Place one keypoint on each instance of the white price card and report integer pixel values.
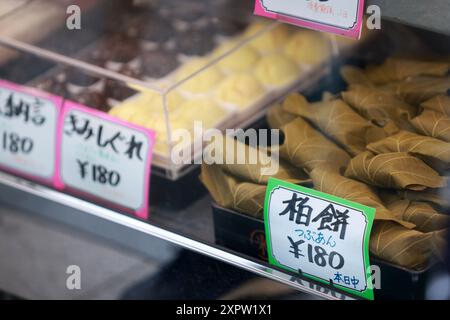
(336, 16)
(28, 131)
(106, 158)
(320, 236)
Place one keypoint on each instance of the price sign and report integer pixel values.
(343, 17)
(321, 236)
(106, 158)
(28, 126)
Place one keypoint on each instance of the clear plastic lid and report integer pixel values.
(164, 65)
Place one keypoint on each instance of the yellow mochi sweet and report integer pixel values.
(204, 110)
(146, 110)
(276, 70)
(142, 109)
(240, 90)
(240, 60)
(272, 40)
(123, 112)
(308, 47)
(148, 99)
(257, 27)
(173, 101)
(202, 82)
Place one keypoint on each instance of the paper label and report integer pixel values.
(320, 236)
(28, 127)
(106, 158)
(343, 17)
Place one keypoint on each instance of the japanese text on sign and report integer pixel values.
(28, 125)
(318, 235)
(337, 16)
(105, 159)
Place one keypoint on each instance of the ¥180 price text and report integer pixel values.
(15, 144)
(98, 173)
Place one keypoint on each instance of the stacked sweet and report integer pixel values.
(238, 75)
(383, 143)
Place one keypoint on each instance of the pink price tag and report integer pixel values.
(28, 132)
(342, 17)
(105, 159)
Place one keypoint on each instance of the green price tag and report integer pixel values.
(321, 236)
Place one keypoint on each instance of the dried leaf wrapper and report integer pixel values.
(434, 152)
(399, 69)
(397, 170)
(411, 249)
(338, 121)
(277, 117)
(437, 197)
(232, 193)
(422, 214)
(256, 165)
(380, 106)
(328, 180)
(307, 148)
(439, 104)
(417, 90)
(355, 76)
(433, 124)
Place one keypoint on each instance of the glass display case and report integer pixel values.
(173, 70)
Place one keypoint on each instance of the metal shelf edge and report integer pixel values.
(146, 228)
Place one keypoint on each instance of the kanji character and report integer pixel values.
(333, 220)
(297, 209)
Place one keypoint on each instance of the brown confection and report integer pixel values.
(186, 10)
(81, 79)
(53, 87)
(195, 42)
(94, 100)
(227, 26)
(118, 91)
(130, 72)
(156, 29)
(157, 64)
(116, 48)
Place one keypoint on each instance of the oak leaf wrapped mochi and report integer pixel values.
(399, 69)
(433, 124)
(411, 249)
(338, 121)
(436, 197)
(397, 170)
(355, 76)
(327, 179)
(307, 148)
(229, 192)
(422, 214)
(439, 104)
(255, 164)
(380, 107)
(434, 152)
(277, 117)
(420, 89)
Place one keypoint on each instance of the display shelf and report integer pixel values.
(190, 228)
(430, 15)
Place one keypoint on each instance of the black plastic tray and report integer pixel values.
(246, 235)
